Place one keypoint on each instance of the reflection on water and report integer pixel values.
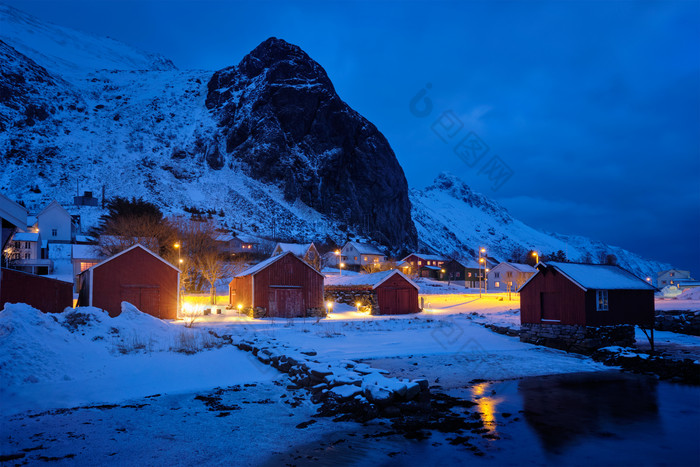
(486, 404)
(562, 409)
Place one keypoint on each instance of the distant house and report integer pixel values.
(136, 275)
(237, 244)
(305, 251)
(579, 301)
(672, 277)
(83, 257)
(383, 293)
(86, 200)
(55, 224)
(361, 254)
(463, 271)
(13, 216)
(424, 264)
(25, 254)
(281, 286)
(508, 277)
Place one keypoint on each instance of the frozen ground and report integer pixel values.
(87, 388)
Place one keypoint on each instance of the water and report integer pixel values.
(602, 418)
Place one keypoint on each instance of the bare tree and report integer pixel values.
(213, 267)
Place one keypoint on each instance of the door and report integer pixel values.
(550, 306)
(286, 302)
(145, 298)
(396, 301)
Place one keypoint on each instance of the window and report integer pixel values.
(54, 232)
(355, 258)
(601, 299)
(86, 265)
(419, 263)
(498, 284)
(27, 245)
(497, 275)
(469, 274)
(671, 274)
(509, 274)
(364, 259)
(26, 256)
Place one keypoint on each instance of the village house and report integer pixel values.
(425, 265)
(584, 306)
(380, 293)
(281, 286)
(55, 224)
(83, 257)
(136, 275)
(358, 254)
(462, 271)
(508, 277)
(237, 244)
(672, 277)
(305, 251)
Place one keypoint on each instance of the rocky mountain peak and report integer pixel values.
(280, 117)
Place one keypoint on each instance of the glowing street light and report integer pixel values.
(482, 262)
(486, 282)
(357, 305)
(240, 307)
(337, 253)
(329, 307)
(537, 257)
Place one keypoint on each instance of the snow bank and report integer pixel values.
(40, 347)
(690, 294)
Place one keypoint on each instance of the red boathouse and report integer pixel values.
(384, 293)
(136, 275)
(282, 286)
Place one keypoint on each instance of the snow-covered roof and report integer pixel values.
(224, 238)
(247, 238)
(26, 237)
(597, 276)
(256, 268)
(12, 212)
(432, 268)
(85, 252)
(31, 221)
(426, 257)
(298, 249)
(365, 248)
(369, 280)
(53, 204)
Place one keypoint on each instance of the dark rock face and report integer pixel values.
(281, 117)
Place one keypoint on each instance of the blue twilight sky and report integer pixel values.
(595, 106)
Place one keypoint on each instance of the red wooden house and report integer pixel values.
(386, 292)
(586, 294)
(136, 275)
(283, 286)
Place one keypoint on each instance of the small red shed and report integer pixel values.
(284, 286)
(387, 292)
(136, 275)
(586, 295)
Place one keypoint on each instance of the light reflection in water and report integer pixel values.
(486, 405)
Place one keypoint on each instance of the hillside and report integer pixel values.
(266, 146)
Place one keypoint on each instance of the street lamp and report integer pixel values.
(357, 305)
(329, 307)
(537, 257)
(179, 279)
(337, 253)
(486, 282)
(240, 307)
(482, 262)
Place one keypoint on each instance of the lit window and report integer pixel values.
(419, 263)
(86, 265)
(498, 284)
(469, 274)
(365, 258)
(457, 274)
(601, 298)
(671, 274)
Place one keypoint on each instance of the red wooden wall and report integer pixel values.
(397, 296)
(563, 300)
(293, 286)
(568, 303)
(136, 276)
(44, 294)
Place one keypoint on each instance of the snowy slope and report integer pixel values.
(450, 217)
(69, 53)
(139, 127)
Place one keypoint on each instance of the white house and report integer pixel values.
(672, 277)
(508, 277)
(305, 251)
(24, 253)
(55, 224)
(360, 254)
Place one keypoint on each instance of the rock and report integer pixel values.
(291, 128)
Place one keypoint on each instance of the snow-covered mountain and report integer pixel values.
(451, 218)
(267, 147)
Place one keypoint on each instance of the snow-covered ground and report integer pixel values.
(688, 300)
